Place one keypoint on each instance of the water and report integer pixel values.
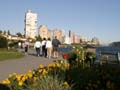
(65, 49)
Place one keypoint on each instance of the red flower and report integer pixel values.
(65, 56)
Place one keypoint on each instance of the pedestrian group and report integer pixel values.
(45, 48)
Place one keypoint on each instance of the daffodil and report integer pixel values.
(18, 77)
(44, 71)
(57, 65)
(34, 79)
(23, 79)
(20, 83)
(40, 70)
(40, 66)
(6, 81)
(29, 75)
(66, 84)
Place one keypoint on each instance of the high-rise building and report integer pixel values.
(43, 31)
(76, 39)
(69, 33)
(63, 36)
(71, 36)
(50, 34)
(30, 24)
(60, 35)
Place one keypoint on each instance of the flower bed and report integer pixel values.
(43, 78)
(65, 78)
(65, 75)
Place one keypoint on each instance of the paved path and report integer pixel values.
(29, 62)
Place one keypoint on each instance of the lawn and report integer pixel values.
(9, 54)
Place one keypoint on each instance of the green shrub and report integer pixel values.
(3, 42)
(95, 78)
(72, 57)
(13, 44)
(90, 57)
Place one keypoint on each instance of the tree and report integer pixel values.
(39, 38)
(4, 33)
(8, 32)
(3, 42)
(115, 43)
(19, 34)
(0, 31)
(95, 40)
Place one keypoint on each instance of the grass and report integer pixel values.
(9, 54)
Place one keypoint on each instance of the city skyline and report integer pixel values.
(90, 18)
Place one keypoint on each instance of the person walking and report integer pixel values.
(49, 48)
(44, 50)
(26, 46)
(55, 43)
(37, 46)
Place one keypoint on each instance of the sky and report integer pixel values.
(89, 18)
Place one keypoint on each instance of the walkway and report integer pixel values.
(29, 62)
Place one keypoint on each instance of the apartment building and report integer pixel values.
(30, 24)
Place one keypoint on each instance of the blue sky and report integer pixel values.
(90, 18)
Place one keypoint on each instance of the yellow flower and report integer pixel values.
(61, 61)
(67, 65)
(23, 78)
(40, 70)
(44, 71)
(29, 75)
(10, 75)
(29, 71)
(18, 77)
(49, 66)
(34, 79)
(6, 81)
(53, 65)
(33, 72)
(20, 83)
(57, 65)
(77, 50)
(40, 66)
(66, 84)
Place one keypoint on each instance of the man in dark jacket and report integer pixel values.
(55, 43)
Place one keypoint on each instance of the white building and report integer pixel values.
(67, 40)
(43, 31)
(60, 35)
(30, 24)
(83, 39)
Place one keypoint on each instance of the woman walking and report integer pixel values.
(26, 46)
(49, 48)
(37, 46)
